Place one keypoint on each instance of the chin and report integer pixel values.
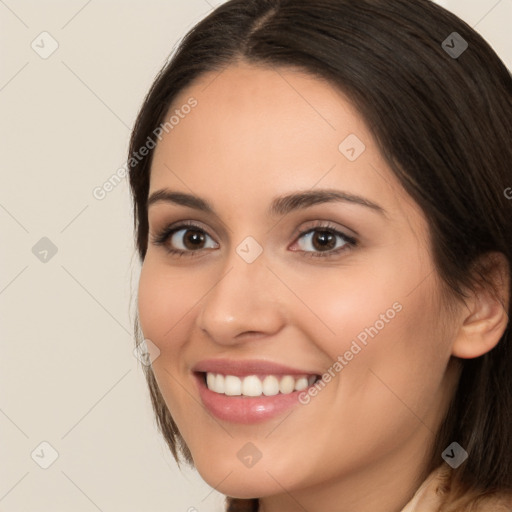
(244, 484)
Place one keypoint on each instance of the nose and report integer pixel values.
(243, 300)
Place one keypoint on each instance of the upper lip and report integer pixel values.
(247, 367)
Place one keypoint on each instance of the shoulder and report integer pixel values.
(434, 495)
(432, 492)
(498, 502)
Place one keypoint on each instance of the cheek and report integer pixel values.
(346, 304)
(398, 373)
(166, 298)
(381, 321)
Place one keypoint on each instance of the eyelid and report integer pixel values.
(305, 227)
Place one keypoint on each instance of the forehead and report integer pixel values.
(256, 132)
(244, 108)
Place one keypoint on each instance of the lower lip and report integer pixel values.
(245, 409)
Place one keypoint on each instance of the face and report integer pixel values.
(336, 285)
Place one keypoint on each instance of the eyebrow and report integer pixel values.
(281, 205)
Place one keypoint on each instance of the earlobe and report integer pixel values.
(484, 318)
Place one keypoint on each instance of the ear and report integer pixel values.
(484, 317)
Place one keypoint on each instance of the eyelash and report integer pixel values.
(161, 237)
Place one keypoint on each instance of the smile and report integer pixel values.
(250, 391)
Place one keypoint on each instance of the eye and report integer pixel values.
(324, 241)
(189, 239)
(183, 239)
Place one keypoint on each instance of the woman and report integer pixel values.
(321, 213)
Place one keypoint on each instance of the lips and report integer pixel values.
(250, 391)
(242, 368)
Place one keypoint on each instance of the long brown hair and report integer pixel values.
(444, 125)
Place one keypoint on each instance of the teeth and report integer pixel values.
(270, 385)
(251, 386)
(287, 384)
(303, 383)
(231, 385)
(210, 381)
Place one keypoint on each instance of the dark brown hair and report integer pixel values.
(444, 125)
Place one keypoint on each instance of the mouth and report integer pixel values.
(256, 385)
(254, 394)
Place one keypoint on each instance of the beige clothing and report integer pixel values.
(430, 495)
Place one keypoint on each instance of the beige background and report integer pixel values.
(68, 376)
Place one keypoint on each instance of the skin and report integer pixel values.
(361, 443)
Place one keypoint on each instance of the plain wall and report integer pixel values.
(67, 372)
